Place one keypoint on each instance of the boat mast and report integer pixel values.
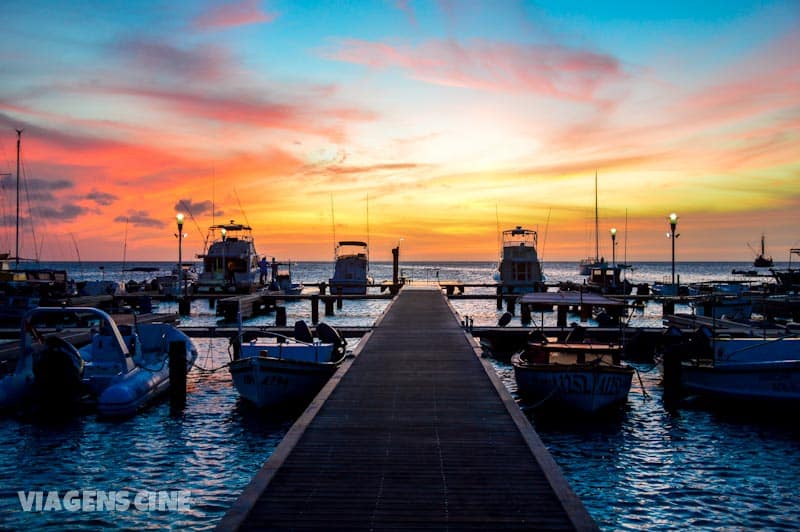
(596, 223)
(16, 254)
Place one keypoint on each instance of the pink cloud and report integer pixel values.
(234, 14)
(299, 116)
(551, 70)
(158, 59)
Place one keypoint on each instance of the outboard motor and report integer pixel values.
(57, 372)
(329, 335)
(302, 332)
(505, 319)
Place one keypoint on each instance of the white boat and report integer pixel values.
(281, 370)
(282, 279)
(231, 263)
(118, 369)
(519, 270)
(736, 367)
(351, 270)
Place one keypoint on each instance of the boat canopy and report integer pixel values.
(569, 299)
(353, 243)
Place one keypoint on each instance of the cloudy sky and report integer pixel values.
(434, 122)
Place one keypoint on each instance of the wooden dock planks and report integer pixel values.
(416, 433)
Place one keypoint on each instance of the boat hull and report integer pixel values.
(585, 388)
(772, 381)
(268, 381)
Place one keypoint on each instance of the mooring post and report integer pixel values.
(184, 306)
(667, 307)
(329, 306)
(177, 376)
(314, 309)
(586, 312)
(322, 288)
(561, 319)
(510, 304)
(339, 298)
(499, 298)
(525, 311)
(280, 316)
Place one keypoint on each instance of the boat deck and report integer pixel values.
(417, 432)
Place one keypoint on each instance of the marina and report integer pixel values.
(639, 453)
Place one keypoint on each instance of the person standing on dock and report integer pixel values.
(263, 268)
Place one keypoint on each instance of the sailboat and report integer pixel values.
(23, 287)
(586, 265)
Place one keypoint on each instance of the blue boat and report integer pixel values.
(119, 369)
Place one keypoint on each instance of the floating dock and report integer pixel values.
(415, 432)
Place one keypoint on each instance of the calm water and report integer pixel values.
(645, 467)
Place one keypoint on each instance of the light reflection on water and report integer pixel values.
(643, 467)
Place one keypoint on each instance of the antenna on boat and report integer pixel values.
(499, 240)
(16, 250)
(596, 222)
(77, 251)
(368, 246)
(544, 244)
(213, 190)
(244, 214)
(125, 244)
(333, 226)
(625, 245)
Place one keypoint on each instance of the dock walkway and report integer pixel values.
(416, 433)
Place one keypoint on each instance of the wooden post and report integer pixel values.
(177, 376)
(586, 312)
(667, 307)
(525, 311)
(510, 300)
(561, 315)
(280, 316)
(322, 288)
(329, 306)
(499, 298)
(314, 309)
(338, 299)
(184, 306)
(395, 265)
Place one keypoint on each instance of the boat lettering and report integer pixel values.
(275, 379)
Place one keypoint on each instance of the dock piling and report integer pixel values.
(314, 309)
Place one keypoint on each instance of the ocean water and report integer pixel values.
(649, 465)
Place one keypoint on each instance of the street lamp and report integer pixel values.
(673, 222)
(180, 235)
(613, 247)
(224, 233)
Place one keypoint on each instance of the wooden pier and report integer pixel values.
(417, 432)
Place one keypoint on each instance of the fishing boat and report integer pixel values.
(116, 368)
(578, 376)
(606, 278)
(351, 269)
(519, 270)
(728, 366)
(761, 260)
(231, 263)
(578, 373)
(282, 370)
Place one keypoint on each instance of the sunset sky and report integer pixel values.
(431, 122)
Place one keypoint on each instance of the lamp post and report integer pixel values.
(673, 223)
(179, 219)
(224, 233)
(613, 247)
